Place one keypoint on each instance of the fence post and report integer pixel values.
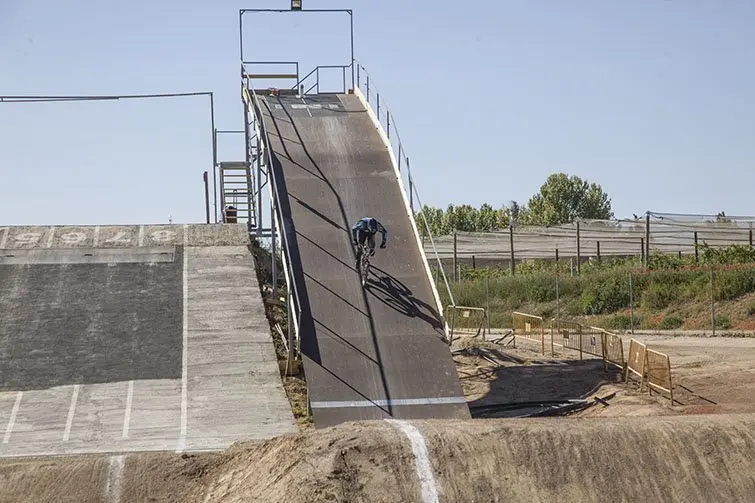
(474, 266)
(487, 299)
(511, 244)
(579, 331)
(558, 307)
(454, 258)
(579, 255)
(647, 239)
(598, 251)
(631, 307)
(750, 237)
(642, 250)
(712, 301)
(696, 253)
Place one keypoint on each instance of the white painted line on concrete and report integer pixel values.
(387, 403)
(141, 236)
(12, 419)
(114, 476)
(127, 414)
(6, 233)
(427, 489)
(96, 240)
(50, 238)
(185, 352)
(71, 410)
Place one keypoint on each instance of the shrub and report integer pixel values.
(659, 295)
(734, 283)
(622, 322)
(670, 323)
(722, 322)
(751, 310)
(607, 293)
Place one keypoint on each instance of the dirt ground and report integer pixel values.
(703, 446)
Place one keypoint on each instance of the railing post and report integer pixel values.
(399, 157)
(273, 265)
(368, 88)
(358, 77)
(378, 107)
(388, 121)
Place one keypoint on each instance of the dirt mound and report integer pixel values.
(679, 458)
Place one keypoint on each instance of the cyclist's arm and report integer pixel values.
(354, 232)
(384, 232)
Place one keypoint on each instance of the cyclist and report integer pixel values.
(365, 229)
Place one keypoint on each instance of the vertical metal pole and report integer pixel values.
(631, 305)
(399, 159)
(579, 254)
(474, 266)
(598, 251)
(750, 237)
(250, 166)
(273, 265)
(696, 252)
(558, 303)
(368, 90)
(487, 299)
(642, 250)
(712, 301)
(214, 155)
(241, 35)
(259, 189)
(206, 195)
(511, 245)
(378, 107)
(454, 258)
(388, 122)
(359, 80)
(411, 196)
(291, 352)
(647, 239)
(351, 24)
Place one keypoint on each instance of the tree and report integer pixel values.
(563, 199)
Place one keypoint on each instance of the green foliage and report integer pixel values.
(751, 310)
(622, 322)
(728, 255)
(607, 293)
(722, 322)
(464, 218)
(563, 199)
(671, 323)
(733, 283)
(659, 295)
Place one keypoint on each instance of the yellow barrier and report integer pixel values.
(636, 361)
(528, 326)
(659, 373)
(613, 350)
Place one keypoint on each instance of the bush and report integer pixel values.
(659, 295)
(607, 293)
(622, 322)
(722, 322)
(670, 323)
(751, 310)
(734, 283)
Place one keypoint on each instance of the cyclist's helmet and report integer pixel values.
(372, 225)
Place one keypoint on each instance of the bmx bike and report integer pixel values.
(364, 262)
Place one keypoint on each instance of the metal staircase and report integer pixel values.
(237, 195)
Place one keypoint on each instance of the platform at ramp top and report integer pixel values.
(133, 338)
(373, 352)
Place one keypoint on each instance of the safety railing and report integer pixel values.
(251, 100)
(311, 81)
(371, 94)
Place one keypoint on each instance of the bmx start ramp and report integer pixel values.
(374, 352)
(133, 338)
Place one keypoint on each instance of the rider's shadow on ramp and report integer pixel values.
(396, 295)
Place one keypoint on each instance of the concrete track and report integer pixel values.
(368, 353)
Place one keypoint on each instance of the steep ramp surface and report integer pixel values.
(373, 352)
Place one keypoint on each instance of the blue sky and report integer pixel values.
(653, 99)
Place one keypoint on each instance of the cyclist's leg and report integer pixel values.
(360, 241)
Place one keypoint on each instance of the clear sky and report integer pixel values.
(653, 99)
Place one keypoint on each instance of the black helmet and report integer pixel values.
(372, 225)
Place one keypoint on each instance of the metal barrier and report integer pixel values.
(528, 326)
(636, 361)
(466, 312)
(659, 373)
(613, 350)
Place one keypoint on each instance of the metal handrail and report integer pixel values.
(264, 140)
(370, 91)
(316, 72)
